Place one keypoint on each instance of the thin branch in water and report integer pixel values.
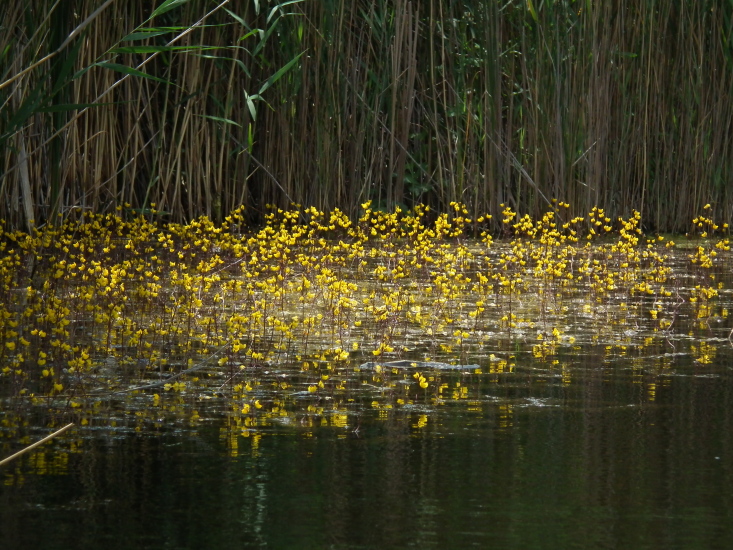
(36, 444)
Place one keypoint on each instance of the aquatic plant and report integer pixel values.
(304, 318)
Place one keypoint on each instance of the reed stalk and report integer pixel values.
(330, 103)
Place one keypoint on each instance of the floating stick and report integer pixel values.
(36, 444)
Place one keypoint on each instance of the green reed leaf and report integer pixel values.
(220, 119)
(124, 69)
(167, 6)
(279, 74)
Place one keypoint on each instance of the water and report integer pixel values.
(529, 463)
(569, 398)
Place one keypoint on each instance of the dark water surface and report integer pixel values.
(536, 463)
(588, 421)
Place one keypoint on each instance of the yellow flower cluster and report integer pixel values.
(98, 303)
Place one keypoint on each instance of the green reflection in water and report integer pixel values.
(595, 411)
(542, 464)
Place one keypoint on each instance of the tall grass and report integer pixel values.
(622, 105)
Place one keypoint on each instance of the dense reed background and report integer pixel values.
(625, 105)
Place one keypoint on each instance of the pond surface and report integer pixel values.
(288, 390)
(530, 462)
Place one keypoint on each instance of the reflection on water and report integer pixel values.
(521, 395)
(606, 460)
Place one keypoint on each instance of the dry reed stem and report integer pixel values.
(34, 445)
(621, 106)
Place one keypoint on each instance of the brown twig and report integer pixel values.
(36, 444)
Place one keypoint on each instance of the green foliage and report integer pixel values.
(204, 106)
(60, 80)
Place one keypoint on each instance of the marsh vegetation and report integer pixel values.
(314, 317)
(449, 268)
(200, 107)
(382, 357)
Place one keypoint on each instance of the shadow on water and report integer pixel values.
(362, 395)
(537, 463)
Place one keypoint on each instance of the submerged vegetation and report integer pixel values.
(314, 318)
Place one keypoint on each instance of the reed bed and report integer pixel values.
(315, 311)
(331, 103)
